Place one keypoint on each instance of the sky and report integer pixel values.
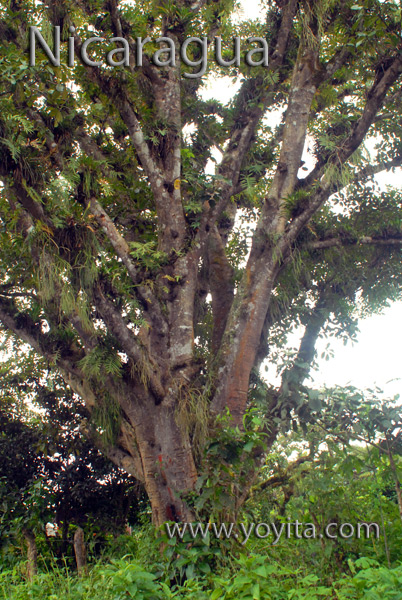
(376, 359)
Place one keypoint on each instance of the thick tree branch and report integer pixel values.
(127, 340)
(346, 243)
(370, 170)
(221, 286)
(283, 478)
(243, 132)
(298, 372)
(164, 179)
(118, 242)
(65, 359)
(117, 454)
(376, 98)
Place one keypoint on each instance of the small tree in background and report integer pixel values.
(49, 472)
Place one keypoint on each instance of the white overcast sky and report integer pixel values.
(376, 358)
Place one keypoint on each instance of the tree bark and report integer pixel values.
(80, 551)
(32, 553)
(169, 471)
(396, 479)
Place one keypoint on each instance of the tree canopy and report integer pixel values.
(158, 290)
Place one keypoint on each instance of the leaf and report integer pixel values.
(248, 447)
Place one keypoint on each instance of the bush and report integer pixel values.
(247, 577)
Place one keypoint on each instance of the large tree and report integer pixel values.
(156, 289)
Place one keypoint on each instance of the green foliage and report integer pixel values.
(107, 417)
(227, 464)
(102, 359)
(49, 472)
(128, 580)
(258, 577)
(372, 580)
(147, 254)
(251, 578)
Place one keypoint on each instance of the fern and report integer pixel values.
(107, 418)
(102, 360)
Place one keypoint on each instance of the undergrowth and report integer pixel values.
(148, 574)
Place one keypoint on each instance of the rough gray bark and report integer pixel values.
(32, 553)
(80, 551)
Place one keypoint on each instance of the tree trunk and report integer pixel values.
(154, 446)
(169, 472)
(396, 479)
(32, 553)
(80, 551)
